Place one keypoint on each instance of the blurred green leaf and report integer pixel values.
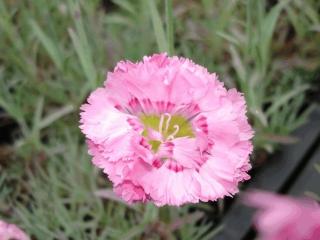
(48, 44)
(158, 27)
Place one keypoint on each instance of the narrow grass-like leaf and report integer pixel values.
(118, 19)
(84, 57)
(158, 27)
(133, 232)
(151, 213)
(126, 5)
(285, 98)
(38, 112)
(228, 37)
(238, 64)
(48, 43)
(267, 28)
(213, 233)
(48, 120)
(169, 26)
(110, 195)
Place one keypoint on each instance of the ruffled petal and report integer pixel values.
(166, 186)
(101, 121)
(183, 150)
(130, 192)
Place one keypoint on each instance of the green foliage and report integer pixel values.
(53, 53)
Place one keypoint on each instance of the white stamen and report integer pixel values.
(161, 124)
(171, 136)
(168, 121)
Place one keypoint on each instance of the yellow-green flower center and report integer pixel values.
(167, 126)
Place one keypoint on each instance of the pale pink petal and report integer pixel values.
(281, 217)
(130, 192)
(183, 150)
(101, 121)
(166, 186)
(11, 231)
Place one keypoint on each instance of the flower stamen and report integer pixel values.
(171, 136)
(168, 122)
(161, 123)
(163, 127)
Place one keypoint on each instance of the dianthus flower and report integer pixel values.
(11, 231)
(280, 217)
(167, 131)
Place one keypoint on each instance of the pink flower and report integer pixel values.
(11, 231)
(166, 130)
(281, 217)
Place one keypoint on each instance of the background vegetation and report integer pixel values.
(53, 53)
